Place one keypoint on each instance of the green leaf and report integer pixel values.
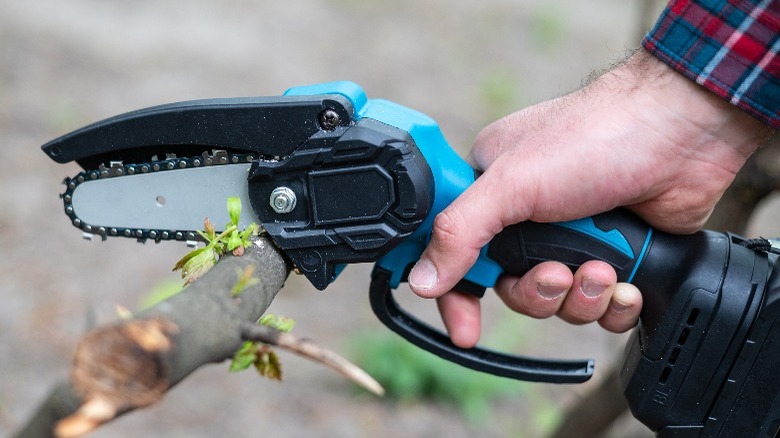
(268, 364)
(244, 357)
(278, 322)
(246, 236)
(208, 237)
(187, 257)
(234, 241)
(244, 280)
(234, 209)
(196, 263)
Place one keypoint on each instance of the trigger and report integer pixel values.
(471, 288)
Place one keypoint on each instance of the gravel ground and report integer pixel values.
(65, 64)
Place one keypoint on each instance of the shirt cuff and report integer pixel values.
(729, 47)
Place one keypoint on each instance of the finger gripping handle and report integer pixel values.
(516, 367)
(617, 237)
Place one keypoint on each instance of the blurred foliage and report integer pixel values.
(161, 292)
(410, 374)
(548, 26)
(546, 414)
(500, 92)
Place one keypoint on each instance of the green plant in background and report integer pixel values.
(161, 292)
(411, 374)
(501, 93)
(548, 26)
(546, 414)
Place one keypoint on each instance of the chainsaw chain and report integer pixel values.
(118, 169)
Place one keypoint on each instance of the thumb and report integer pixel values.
(458, 234)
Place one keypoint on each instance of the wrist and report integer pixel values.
(679, 104)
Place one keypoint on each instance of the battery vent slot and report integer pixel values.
(682, 338)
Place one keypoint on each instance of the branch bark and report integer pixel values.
(133, 363)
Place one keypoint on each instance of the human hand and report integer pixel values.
(640, 136)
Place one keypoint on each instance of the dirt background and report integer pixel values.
(66, 64)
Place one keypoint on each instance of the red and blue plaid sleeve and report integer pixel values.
(728, 46)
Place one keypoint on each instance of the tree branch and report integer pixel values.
(311, 350)
(132, 364)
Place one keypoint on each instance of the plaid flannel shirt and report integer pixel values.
(728, 46)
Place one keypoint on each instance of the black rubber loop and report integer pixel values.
(515, 367)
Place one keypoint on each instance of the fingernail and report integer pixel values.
(550, 291)
(423, 275)
(591, 288)
(618, 307)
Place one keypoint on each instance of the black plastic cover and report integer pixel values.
(360, 189)
(682, 372)
(266, 126)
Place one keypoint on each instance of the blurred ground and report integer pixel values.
(65, 64)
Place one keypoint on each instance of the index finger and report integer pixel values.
(459, 232)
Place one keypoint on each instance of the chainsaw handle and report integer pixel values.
(617, 237)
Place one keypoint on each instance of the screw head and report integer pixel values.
(283, 200)
(329, 119)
